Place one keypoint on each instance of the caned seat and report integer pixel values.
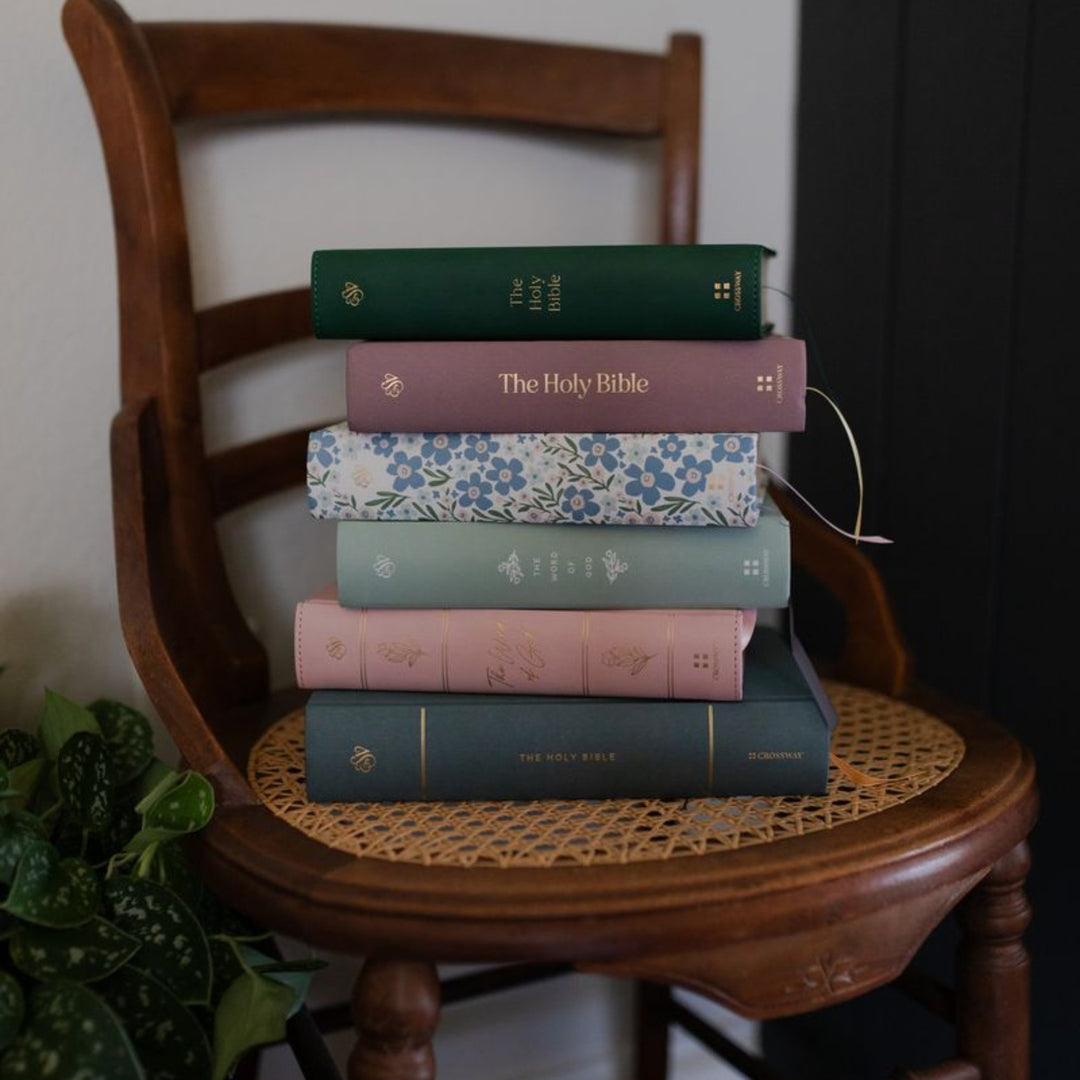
(787, 923)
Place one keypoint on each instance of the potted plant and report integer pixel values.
(116, 961)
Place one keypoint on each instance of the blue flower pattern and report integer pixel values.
(406, 471)
(579, 503)
(694, 474)
(474, 491)
(479, 447)
(505, 473)
(649, 481)
(382, 445)
(440, 447)
(734, 447)
(597, 478)
(322, 449)
(600, 449)
(671, 447)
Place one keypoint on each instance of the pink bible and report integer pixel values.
(652, 653)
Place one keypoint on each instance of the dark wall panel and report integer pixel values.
(956, 204)
(937, 228)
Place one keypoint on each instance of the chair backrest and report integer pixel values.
(143, 79)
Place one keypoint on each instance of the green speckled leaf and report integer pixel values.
(251, 1012)
(17, 832)
(17, 746)
(81, 953)
(170, 1042)
(72, 1033)
(50, 891)
(12, 1008)
(174, 947)
(174, 809)
(84, 780)
(127, 734)
(60, 719)
(183, 809)
(22, 783)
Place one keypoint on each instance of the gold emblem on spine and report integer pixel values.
(632, 657)
(335, 648)
(391, 385)
(352, 294)
(400, 652)
(721, 290)
(362, 760)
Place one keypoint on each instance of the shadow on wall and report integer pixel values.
(53, 639)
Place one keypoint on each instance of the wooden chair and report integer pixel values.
(772, 929)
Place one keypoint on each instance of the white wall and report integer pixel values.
(329, 184)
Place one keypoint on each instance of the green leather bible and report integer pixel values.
(365, 745)
(606, 291)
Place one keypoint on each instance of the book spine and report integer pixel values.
(654, 654)
(574, 478)
(516, 386)
(435, 747)
(615, 291)
(464, 565)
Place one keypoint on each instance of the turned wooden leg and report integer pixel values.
(993, 1021)
(651, 1030)
(395, 1007)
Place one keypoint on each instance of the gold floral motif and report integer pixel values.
(391, 385)
(401, 652)
(633, 657)
(352, 294)
(362, 760)
(335, 648)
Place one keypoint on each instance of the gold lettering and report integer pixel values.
(621, 382)
(567, 757)
(554, 293)
(513, 383)
(517, 292)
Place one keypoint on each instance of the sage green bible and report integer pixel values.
(607, 291)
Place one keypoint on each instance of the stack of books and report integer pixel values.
(551, 542)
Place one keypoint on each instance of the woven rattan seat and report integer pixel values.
(773, 908)
(885, 752)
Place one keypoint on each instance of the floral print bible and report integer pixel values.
(589, 479)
